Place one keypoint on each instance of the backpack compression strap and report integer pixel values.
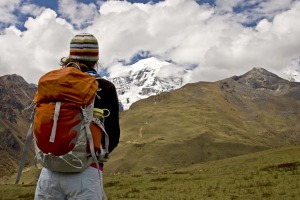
(26, 148)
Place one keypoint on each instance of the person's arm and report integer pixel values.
(111, 123)
(109, 100)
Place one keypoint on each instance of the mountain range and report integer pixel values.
(180, 126)
(207, 121)
(152, 76)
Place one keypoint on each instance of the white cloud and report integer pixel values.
(6, 9)
(31, 9)
(272, 45)
(79, 14)
(37, 50)
(171, 70)
(162, 28)
(227, 5)
(211, 38)
(118, 70)
(250, 11)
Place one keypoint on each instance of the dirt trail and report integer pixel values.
(139, 137)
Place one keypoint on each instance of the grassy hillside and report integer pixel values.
(203, 122)
(270, 174)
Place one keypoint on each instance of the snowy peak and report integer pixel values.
(152, 63)
(145, 78)
(294, 76)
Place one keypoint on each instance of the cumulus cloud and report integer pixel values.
(6, 9)
(248, 12)
(31, 9)
(162, 29)
(33, 52)
(79, 14)
(214, 40)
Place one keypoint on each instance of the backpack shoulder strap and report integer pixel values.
(89, 136)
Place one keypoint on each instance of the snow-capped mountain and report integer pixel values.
(294, 76)
(151, 76)
(145, 78)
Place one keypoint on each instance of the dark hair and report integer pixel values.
(84, 65)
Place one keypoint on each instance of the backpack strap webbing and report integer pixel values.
(90, 137)
(26, 148)
(55, 119)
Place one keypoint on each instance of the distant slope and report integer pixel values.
(207, 121)
(15, 95)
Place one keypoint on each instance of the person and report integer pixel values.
(84, 52)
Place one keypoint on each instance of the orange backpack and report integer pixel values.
(63, 121)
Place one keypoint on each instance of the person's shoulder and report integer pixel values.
(104, 82)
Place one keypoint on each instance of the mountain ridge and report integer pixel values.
(206, 121)
(195, 123)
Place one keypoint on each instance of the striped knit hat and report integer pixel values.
(84, 46)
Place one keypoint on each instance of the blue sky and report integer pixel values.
(217, 38)
(53, 4)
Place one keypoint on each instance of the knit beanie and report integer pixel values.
(84, 46)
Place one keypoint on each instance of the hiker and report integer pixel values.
(88, 184)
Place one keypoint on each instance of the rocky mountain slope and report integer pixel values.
(207, 121)
(15, 95)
